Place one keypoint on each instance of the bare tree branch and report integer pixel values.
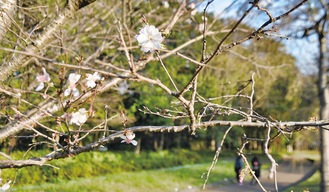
(7, 10)
(44, 39)
(287, 126)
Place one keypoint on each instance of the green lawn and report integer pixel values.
(127, 172)
(153, 180)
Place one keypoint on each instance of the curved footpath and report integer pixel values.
(289, 173)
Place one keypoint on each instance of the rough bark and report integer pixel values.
(6, 69)
(7, 10)
(324, 110)
(75, 150)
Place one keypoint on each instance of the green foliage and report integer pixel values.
(279, 93)
(150, 180)
(99, 163)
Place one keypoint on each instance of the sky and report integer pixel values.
(304, 51)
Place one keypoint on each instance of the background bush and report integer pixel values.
(98, 163)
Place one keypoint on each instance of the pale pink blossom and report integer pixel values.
(128, 137)
(42, 79)
(79, 117)
(92, 79)
(73, 79)
(149, 38)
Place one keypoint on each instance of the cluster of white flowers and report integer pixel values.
(81, 116)
(128, 137)
(73, 79)
(149, 38)
(42, 79)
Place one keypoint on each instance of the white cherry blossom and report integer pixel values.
(165, 4)
(73, 79)
(5, 186)
(123, 87)
(79, 117)
(42, 79)
(191, 6)
(265, 3)
(149, 38)
(91, 79)
(128, 137)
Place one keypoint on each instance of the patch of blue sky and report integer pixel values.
(304, 50)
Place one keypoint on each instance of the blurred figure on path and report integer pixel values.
(255, 163)
(238, 168)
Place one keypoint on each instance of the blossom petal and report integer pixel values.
(142, 38)
(67, 92)
(5, 187)
(134, 142)
(91, 84)
(130, 136)
(75, 92)
(79, 117)
(40, 87)
(74, 78)
(91, 79)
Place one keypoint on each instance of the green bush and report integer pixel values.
(98, 163)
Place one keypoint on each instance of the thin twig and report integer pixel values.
(251, 101)
(125, 48)
(269, 156)
(164, 67)
(215, 159)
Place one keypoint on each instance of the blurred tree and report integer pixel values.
(311, 22)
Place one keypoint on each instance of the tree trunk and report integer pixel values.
(138, 147)
(162, 141)
(155, 142)
(324, 111)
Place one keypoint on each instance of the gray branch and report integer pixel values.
(286, 126)
(8, 68)
(7, 10)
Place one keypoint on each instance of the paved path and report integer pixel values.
(288, 173)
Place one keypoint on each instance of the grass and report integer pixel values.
(171, 179)
(95, 163)
(139, 179)
(300, 155)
